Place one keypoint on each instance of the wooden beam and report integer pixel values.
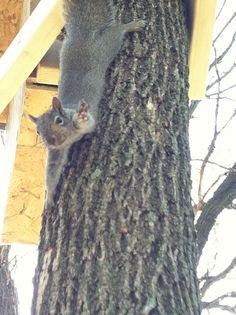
(28, 48)
(8, 152)
(12, 16)
(201, 42)
(11, 117)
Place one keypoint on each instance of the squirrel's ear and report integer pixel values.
(56, 104)
(33, 119)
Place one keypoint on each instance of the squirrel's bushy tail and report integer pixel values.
(88, 14)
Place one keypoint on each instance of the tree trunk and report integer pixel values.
(121, 238)
(8, 294)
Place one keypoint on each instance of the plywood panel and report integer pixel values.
(26, 195)
(23, 217)
(10, 20)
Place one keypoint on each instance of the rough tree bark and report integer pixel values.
(8, 293)
(121, 238)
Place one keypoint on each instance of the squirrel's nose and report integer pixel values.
(51, 140)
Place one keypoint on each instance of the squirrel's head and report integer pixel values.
(55, 126)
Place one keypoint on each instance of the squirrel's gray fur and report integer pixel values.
(92, 41)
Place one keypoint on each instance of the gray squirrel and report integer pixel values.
(59, 128)
(92, 41)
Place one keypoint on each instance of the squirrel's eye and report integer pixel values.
(58, 120)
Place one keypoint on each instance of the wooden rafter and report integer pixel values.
(28, 48)
(201, 41)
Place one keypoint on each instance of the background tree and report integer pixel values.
(8, 294)
(121, 238)
(214, 176)
(221, 82)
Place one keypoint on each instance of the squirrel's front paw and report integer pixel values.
(84, 120)
(83, 113)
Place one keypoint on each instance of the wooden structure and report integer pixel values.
(28, 48)
(201, 41)
(24, 183)
(28, 60)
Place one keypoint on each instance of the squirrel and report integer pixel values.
(93, 39)
(59, 128)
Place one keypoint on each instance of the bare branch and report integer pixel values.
(230, 309)
(222, 98)
(213, 141)
(221, 91)
(231, 206)
(2, 137)
(192, 107)
(224, 75)
(227, 122)
(216, 303)
(220, 58)
(210, 280)
(223, 196)
(222, 7)
(213, 184)
(201, 196)
(214, 163)
(205, 160)
(223, 29)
